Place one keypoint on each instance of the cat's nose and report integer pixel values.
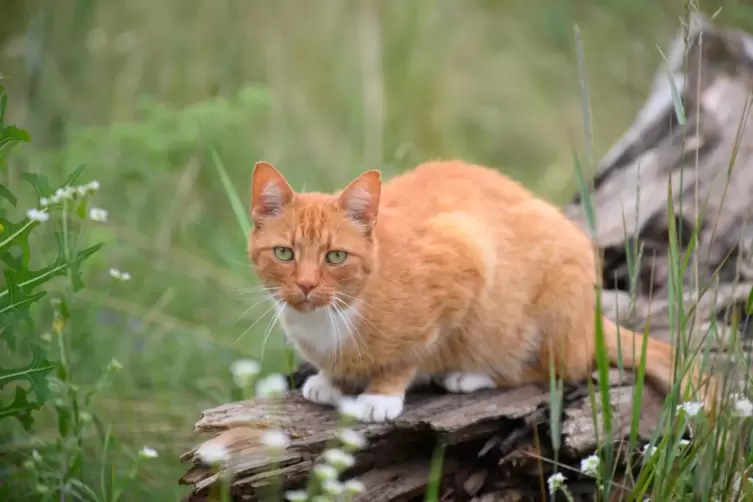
(306, 285)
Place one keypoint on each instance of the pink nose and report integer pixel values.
(306, 285)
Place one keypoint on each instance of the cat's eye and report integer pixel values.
(336, 257)
(283, 253)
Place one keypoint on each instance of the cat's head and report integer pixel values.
(313, 249)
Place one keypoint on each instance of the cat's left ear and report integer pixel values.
(270, 192)
(360, 199)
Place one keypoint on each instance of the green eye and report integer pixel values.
(336, 257)
(283, 253)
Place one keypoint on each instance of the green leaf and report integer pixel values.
(7, 194)
(749, 304)
(35, 375)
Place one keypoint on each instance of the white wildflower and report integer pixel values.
(648, 450)
(147, 452)
(352, 439)
(93, 186)
(354, 487)
(683, 443)
(743, 407)
(338, 459)
(244, 371)
(97, 214)
(212, 453)
(37, 215)
(275, 439)
(62, 194)
(332, 487)
(44, 202)
(121, 276)
(325, 472)
(691, 408)
(273, 385)
(296, 496)
(590, 465)
(82, 191)
(114, 365)
(351, 408)
(555, 482)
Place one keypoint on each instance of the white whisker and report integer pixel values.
(259, 302)
(270, 309)
(350, 326)
(271, 326)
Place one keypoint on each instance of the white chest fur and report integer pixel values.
(324, 330)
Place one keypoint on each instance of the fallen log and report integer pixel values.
(498, 445)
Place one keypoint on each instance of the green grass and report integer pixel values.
(169, 104)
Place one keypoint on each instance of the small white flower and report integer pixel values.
(37, 215)
(147, 452)
(683, 443)
(62, 194)
(273, 385)
(325, 472)
(296, 496)
(590, 465)
(352, 439)
(212, 453)
(121, 276)
(353, 486)
(244, 371)
(93, 186)
(114, 365)
(555, 482)
(339, 459)
(691, 408)
(332, 487)
(648, 450)
(275, 439)
(744, 407)
(351, 408)
(82, 191)
(44, 202)
(97, 214)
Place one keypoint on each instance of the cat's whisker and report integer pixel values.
(270, 309)
(336, 334)
(362, 302)
(355, 311)
(259, 302)
(271, 326)
(349, 324)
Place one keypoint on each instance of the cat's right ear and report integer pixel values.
(270, 192)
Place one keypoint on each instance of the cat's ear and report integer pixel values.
(360, 199)
(270, 193)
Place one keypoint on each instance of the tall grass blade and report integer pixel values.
(238, 207)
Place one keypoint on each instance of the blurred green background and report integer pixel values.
(139, 91)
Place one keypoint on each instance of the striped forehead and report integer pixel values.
(313, 225)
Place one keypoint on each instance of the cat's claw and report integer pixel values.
(319, 389)
(467, 382)
(377, 407)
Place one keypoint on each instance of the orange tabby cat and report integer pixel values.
(450, 272)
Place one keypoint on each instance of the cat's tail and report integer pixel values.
(625, 347)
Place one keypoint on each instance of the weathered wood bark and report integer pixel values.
(496, 442)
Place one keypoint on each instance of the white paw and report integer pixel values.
(319, 389)
(467, 382)
(376, 407)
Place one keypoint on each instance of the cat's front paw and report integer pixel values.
(374, 407)
(319, 389)
(466, 382)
